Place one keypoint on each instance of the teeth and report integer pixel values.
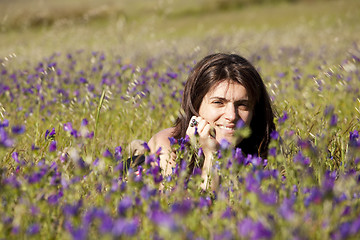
(227, 128)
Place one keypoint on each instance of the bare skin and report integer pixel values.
(221, 108)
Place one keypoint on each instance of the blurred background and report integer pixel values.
(139, 29)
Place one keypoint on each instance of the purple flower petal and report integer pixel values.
(15, 156)
(52, 146)
(274, 135)
(333, 120)
(84, 122)
(33, 229)
(124, 205)
(18, 129)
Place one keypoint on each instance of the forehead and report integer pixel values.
(228, 89)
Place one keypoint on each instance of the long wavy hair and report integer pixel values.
(214, 69)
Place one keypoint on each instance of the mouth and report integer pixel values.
(230, 128)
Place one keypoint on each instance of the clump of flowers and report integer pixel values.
(64, 170)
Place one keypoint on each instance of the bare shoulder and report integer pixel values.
(161, 139)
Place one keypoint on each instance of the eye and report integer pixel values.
(218, 102)
(244, 106)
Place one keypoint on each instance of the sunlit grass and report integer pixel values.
(124, 80)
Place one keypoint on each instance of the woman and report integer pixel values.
(221, 90)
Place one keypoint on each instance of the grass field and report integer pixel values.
(37, 28)
(80, 80)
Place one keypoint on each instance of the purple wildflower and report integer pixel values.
(72, 210)
(346, 211)
(328, 181)
(172, 140)
(228, 213)
(118, 154)
(255, 161)
(90, 134)
(252, 185)
(274, 135)
(272, 151)
(106, 223)
(33, 229)
(355, 226)
(224, 144)
(146, 146)
(182, 208)
(200, 152)
(197, 171)
(286, 208)
(53, 199)
(107, 154)
(204, 202)
(281, 74)
(52, 146)
(315, 196)
(238, 156)
(18, 129)
(240, 124)
(68, 127)
(163, 219)
(253, 230)
(146, 192)
(15, 156)
(80, 233)
(300, 158)
(83, 80)
(11, 180)
(172, 75)
(124, 205)
(49, 134)
(34, 210)
(5, 123)
(75, 133)
(15, 229)
(84, 122)
(269, 198)
(283, 118)
(354, 140)
(333, 120)
(245, 227)
(125, 227)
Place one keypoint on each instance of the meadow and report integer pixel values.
(80, 80)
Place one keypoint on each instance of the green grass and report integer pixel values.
(121, 27)
(303, 50)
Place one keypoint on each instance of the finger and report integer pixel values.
(205, 133)
(193, 121)
(190, 131)
(202, 123)
(207, 141)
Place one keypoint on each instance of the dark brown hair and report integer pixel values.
(214, 69)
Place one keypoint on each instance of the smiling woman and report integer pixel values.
(222, 93)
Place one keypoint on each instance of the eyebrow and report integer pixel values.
(224, 99)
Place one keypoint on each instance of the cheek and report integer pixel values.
(209, 114)
(246, 116)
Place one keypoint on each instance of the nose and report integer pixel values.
(230, 112)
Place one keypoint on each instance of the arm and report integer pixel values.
(167, 157)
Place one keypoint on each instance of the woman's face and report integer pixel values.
(223, 106)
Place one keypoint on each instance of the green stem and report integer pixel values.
(98, 113)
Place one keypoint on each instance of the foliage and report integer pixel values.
(67, 118)
(59, 180)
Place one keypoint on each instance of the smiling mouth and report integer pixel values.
(228, 128)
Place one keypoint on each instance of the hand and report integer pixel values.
(204, 130)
